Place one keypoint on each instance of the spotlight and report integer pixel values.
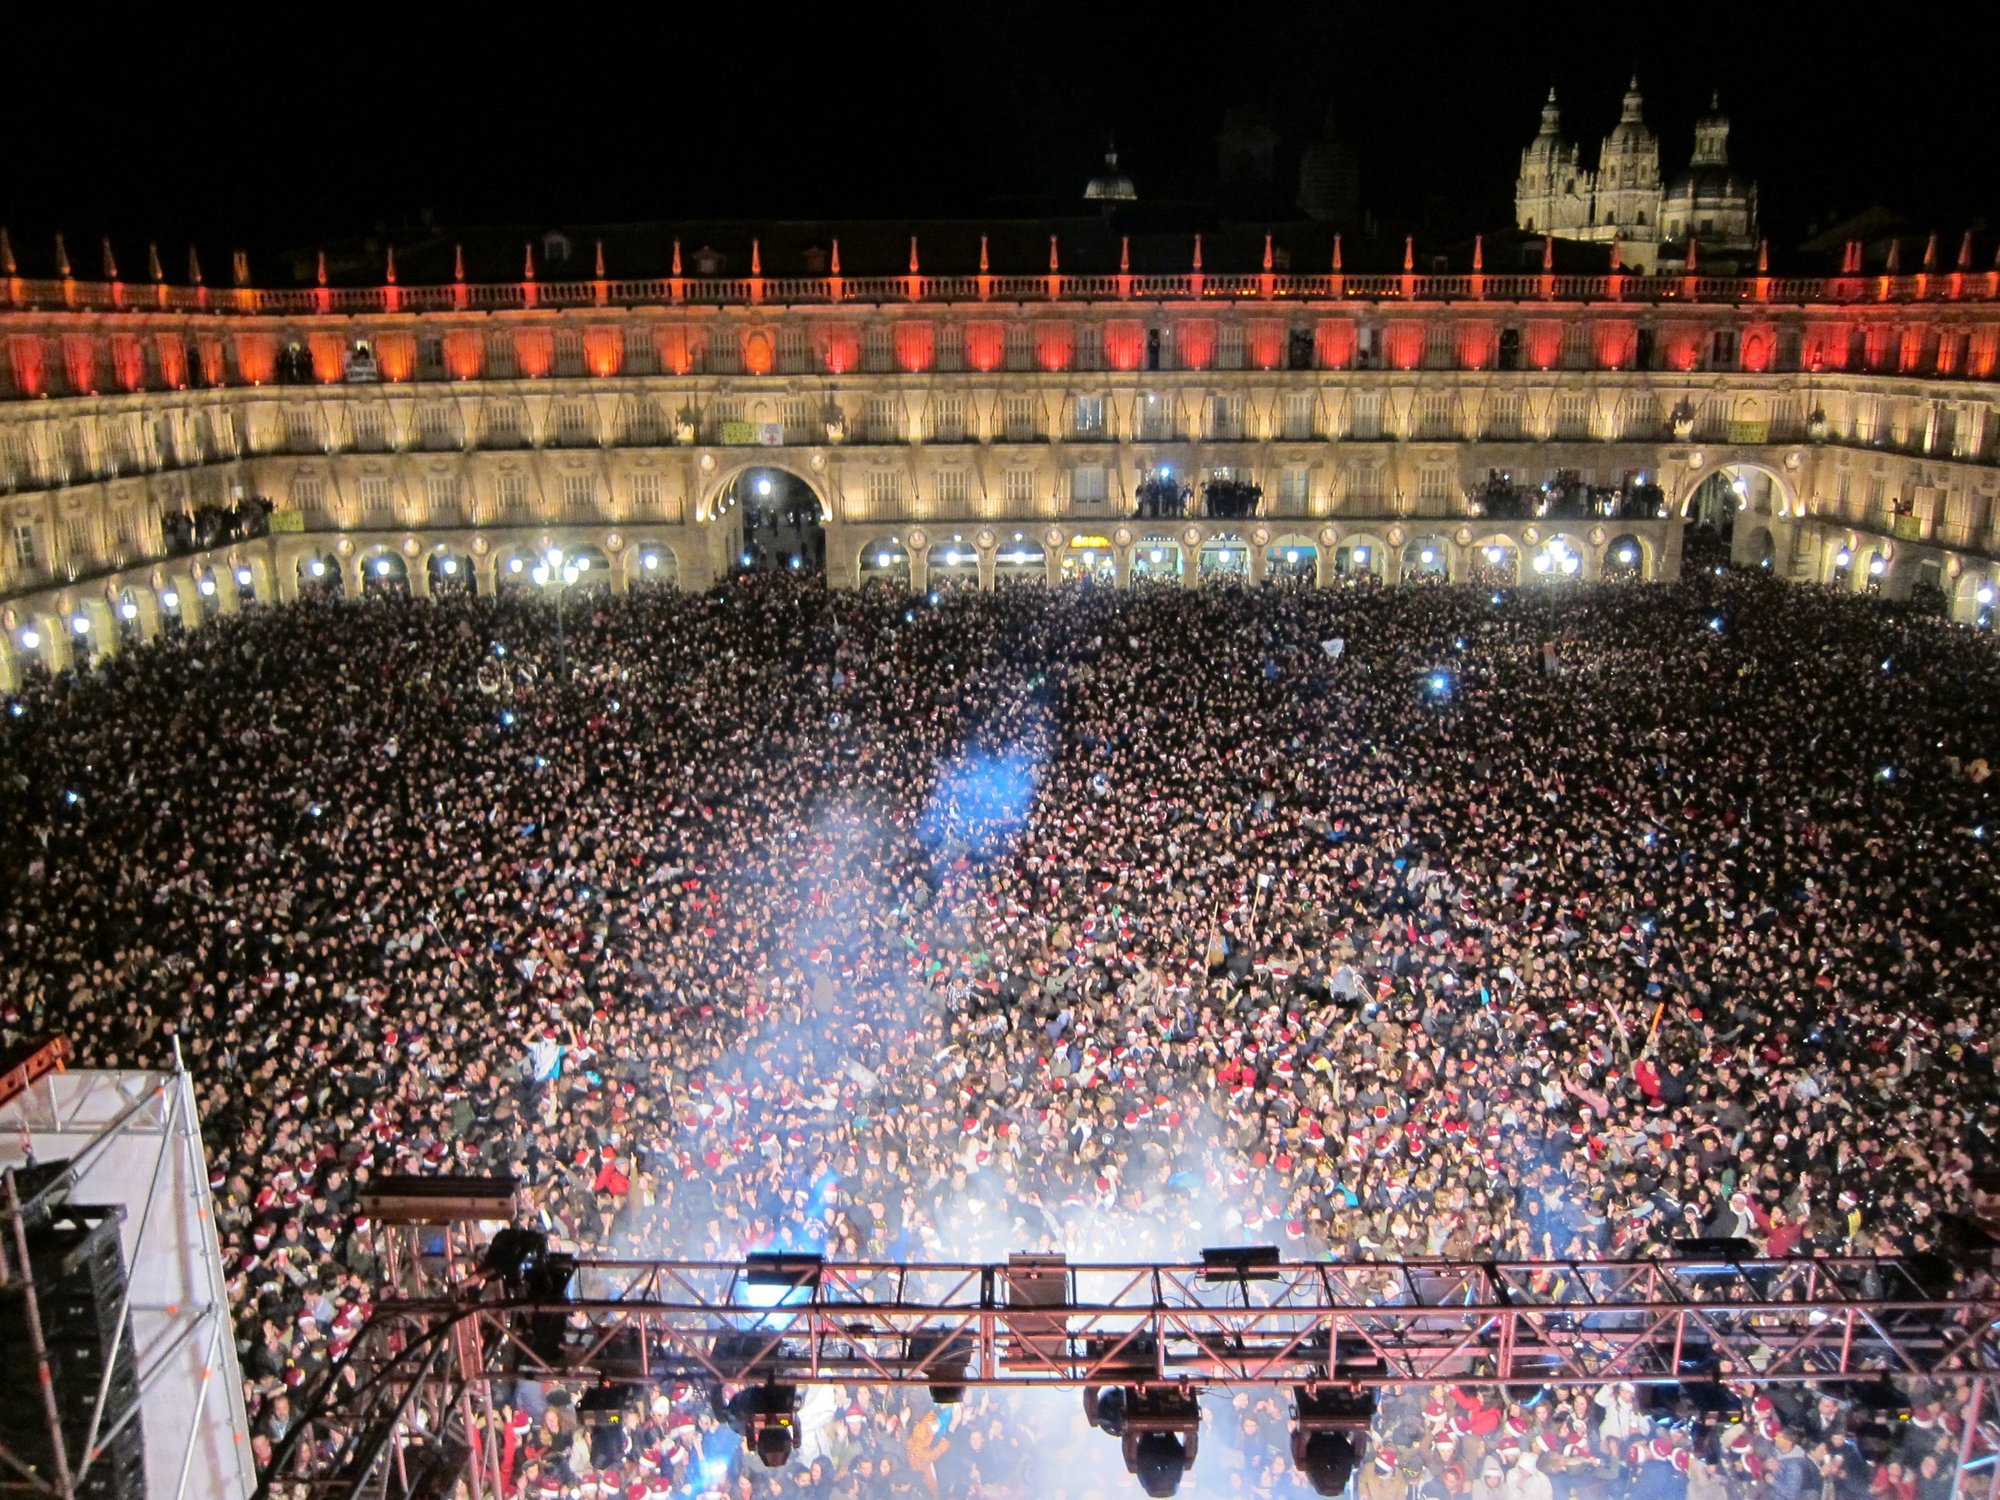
(747, 559)
(1877, 567)
(449, 567)
(1361, 556)
(1158, 557)
(1291, 554)
(882, 559)
(381, 567)
(1428, 556)
(128, 611)
(318, 568)
(1843, 558)
(783, 1268)
(763, 486)
(1330, 1435)
(171, 599)
(948, 1355)
(243, 578)
(1985, 594)
(1240, 1263)
(650, 561)
(1627, 555)
(514, 565)
(31, 639)
(765, 1416)
(207, 587)
(80, 624)
(1494, 554)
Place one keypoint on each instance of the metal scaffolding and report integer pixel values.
(433, 1348)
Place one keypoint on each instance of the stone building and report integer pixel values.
(975, 426)
(1626, 200)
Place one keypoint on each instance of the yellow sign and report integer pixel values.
(288, 520)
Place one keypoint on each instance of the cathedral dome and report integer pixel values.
(1111, 185)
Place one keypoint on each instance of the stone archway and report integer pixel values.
(1760, 488)
(776, 516)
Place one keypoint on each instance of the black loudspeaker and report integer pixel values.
(78, 1268)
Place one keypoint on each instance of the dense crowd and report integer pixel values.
(1366, 923)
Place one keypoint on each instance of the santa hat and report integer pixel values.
(1385, 1459)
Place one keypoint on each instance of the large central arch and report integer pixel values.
(1784, 495)
(775, 515)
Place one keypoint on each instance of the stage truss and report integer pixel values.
(431, 1354)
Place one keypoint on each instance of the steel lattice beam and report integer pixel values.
(1374, 1325)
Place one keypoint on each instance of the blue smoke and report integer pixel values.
(980, 802)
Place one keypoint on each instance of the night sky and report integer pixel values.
(314, 123)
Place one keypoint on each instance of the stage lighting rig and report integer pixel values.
(1158, 1428)
(1330, 1435)
(765, 1416)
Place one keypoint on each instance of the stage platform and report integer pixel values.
(135, 1142)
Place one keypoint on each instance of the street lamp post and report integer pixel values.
(557, 573)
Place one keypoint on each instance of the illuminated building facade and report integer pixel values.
(981, 429)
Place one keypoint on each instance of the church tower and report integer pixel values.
(1552, 194)
(1710, 202)
(1627, 206)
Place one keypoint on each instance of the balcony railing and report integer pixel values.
(1193, 286)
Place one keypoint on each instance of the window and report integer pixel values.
(1573, 414)
(1575, 353)
(371, 429)
(437, 426)
(794, 350)
(510, 493)
(646, 492)
(1434, 482)
(1364, 483)
(1088, 417)
(1365, 421)
(1229, 347)
(951, 347)
(1298, 417)
(948, 419)
(1089, 486)
(430, 357)
(501, 363)
(76, 540)
(1225, 418)
(124, 530)
(1020, 487)
(1156, 419)
(1722, 349)
(796, 416)
(440, 494)
(574, 425)
(1020, 346)
(642, 355)
(885, 419)
(951, 487)
(502, 425)
(1434, 417)
(308, 493)
(1018, 416)
(302, 430)
(885, 488)
(579, 493)
(376, 496)
(569, 351)
(1503, 415)
(878, 349)
(26, 552)
(1294, 488)
(1439, 346)
(645, 424)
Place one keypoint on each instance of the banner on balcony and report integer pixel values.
(288, 520)
(738, 434)
(771, 434)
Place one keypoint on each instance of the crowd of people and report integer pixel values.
(1544, 924)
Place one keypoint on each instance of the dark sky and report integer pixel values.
(310, 122)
